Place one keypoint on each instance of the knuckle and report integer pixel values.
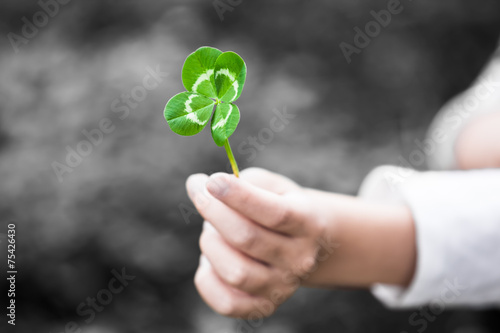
(308, 264)
(245, 239)
(276, 252)
(283, 216)
(237, 276)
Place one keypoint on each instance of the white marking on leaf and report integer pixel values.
(194, 118)
(187, 103)
(222, 122)
(203, 77)
(190, 114)
(226, 72)
(231, 76)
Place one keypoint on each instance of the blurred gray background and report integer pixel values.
(123, 205)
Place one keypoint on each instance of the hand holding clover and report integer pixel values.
(264, 235)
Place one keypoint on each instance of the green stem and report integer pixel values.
(230, 155)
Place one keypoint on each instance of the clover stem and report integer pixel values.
(230, 155)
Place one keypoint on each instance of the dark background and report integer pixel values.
(121, 207)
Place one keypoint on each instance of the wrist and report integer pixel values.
(375, 243)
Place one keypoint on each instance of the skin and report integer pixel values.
(478, 145)
(264, 235)
(267, 236)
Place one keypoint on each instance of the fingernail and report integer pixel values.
(218, 184)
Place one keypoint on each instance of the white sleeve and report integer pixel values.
(457, 221)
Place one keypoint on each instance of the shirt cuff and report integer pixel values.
(457, 222)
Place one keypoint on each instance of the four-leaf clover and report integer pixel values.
(212, 79)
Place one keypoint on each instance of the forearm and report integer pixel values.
(376, 243)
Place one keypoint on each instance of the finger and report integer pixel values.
(195, 189)
(221, 297)
(268, 180)
(270, 210)
(232, 266)
(241, 233)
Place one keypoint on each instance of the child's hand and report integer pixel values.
(260, 237)
(264, 236)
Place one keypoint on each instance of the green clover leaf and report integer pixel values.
(212, 79)
(188, 113)
(230, 74)
(198, 71)
(224, 122)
